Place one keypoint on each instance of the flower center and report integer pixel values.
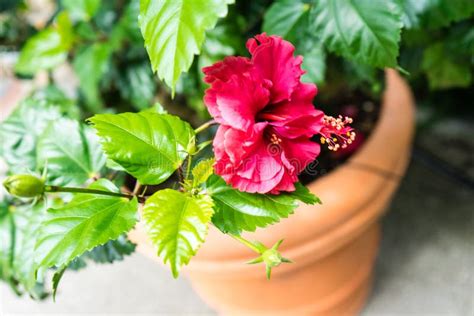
(275, 140)
(335, 133)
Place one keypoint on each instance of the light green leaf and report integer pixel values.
(149, 146)
(174, 31)
(90, 64)
(444, 70)
(81, 9)
(71, 153)
(86, 222)
(202, 171)
(236, 211)
(283, 16)
(177, 225)
(47, 49)
(364, 30)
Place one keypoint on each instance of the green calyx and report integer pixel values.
(271, 257)
(24, 185)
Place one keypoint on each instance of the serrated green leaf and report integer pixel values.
(364, 30)
(444, 70)
(236, 211)
(174, 31)
(46, 49)
(149, 146)
(81, 9)
(71, 153)
(112, 251)
(283, 16)
(20, 131)
(86, 222)
(202, 171)
(177, 225)
(90, 64)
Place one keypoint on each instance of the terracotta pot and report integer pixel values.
(333, 245)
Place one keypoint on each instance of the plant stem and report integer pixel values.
(245, 242)
(188, 167)
(53, 188)
(204, 126)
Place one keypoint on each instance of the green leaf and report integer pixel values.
(86, 222)
(71, 152)
(138, 85)
(441, 13)
(444, 70)
(236, 211)
(174, 31)
(112, 251)
(81, 9)
(20, 131)
(90, 64)
(47, 49)
(155, 143)
(411, 10)
(283, 16)
(177, 225)
(314, 63)
(202, 171)
(364, 30)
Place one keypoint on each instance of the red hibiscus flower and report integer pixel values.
(267, 118)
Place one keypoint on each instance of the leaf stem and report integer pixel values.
(204, 126)
(188, 167)
(246, 242)
(53, 188)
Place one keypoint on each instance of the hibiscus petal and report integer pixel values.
(301, 152)
(224, 69)
(275, 60)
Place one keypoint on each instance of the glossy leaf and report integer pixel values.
(149, 146)
(236, 211)
(364, 30)
(283, 15)
(86, 222)
(90, 64)
(177, 225)
(71, 153)
(47, 49)
(174, 31)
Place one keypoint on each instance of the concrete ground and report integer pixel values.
(426, 265)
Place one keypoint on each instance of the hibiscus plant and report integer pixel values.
(78, 187)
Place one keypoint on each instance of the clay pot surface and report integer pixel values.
(333, 245)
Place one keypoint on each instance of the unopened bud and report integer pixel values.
(24, 185)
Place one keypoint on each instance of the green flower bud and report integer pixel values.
(24, 185)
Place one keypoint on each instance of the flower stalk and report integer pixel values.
(56, 189)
